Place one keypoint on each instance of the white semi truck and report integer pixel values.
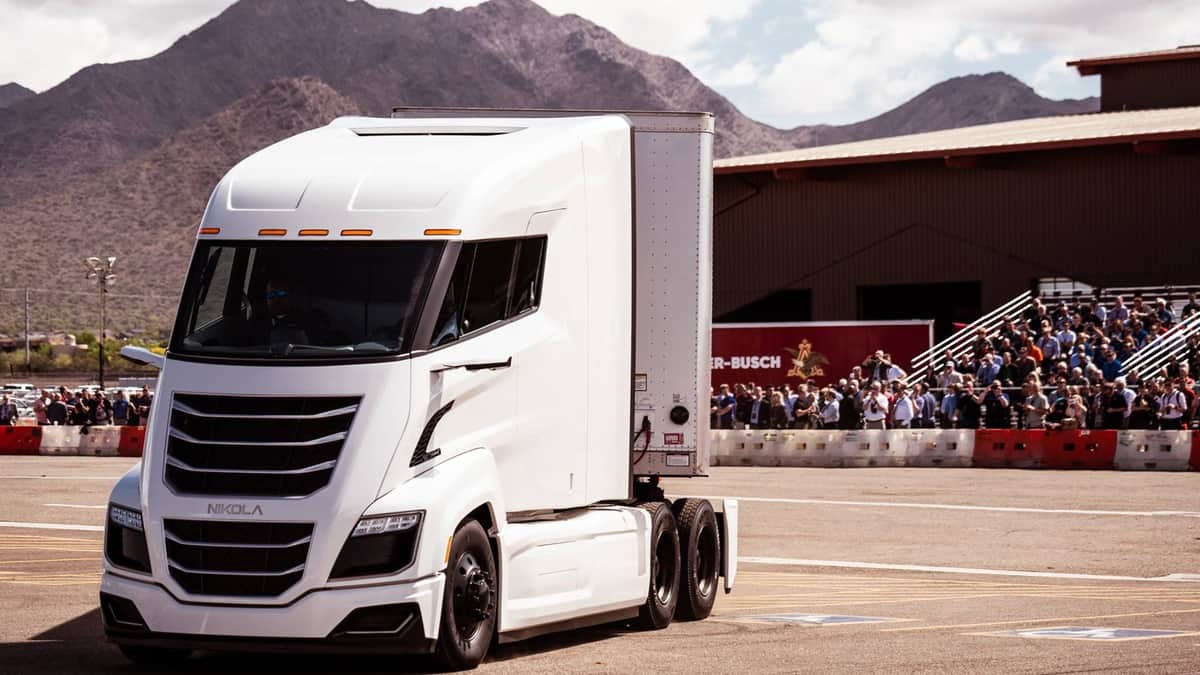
(425, 375)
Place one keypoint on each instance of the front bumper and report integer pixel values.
(320, 621)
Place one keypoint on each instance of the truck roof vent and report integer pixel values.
(435, 131)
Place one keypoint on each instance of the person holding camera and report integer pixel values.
(1171, 407)
(875, 407)
(968, 407)
(805, 408)
(876, 366)
(830, 410)
(996, 405)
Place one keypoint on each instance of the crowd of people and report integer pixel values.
(1049, 368)
(83, 408)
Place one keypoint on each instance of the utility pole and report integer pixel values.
(28, 363)
(101, 272)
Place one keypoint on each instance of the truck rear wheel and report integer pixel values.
(701, 557)
(664, 568)
(469, 601)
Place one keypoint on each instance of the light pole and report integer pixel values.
(101, 272)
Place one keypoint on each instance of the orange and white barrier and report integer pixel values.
(100, 441)
(874, 447)
(940, 447)
(20, 440)
(59, 441)
(1154, 450)
(989, 448)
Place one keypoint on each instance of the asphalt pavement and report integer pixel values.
(842, 571)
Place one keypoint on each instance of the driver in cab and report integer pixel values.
(287, 326)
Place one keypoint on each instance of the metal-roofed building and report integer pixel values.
(1159, 79)
(944, 225)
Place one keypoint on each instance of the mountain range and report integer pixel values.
(119, 158)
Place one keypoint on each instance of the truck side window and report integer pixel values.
(488, 289)
(492, 281)
(527, 289)
(449, 321)
(216, 284)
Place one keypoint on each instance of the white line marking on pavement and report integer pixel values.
(957, 507)
(112, 478)
(52, 526)
(78, 506)
(958, 570)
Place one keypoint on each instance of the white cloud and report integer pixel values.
(973, 48)
(870, 55)
(741, 74)
(1009, 44)
(855, 63)
(42, 42)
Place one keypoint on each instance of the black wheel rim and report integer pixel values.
(473, 588)
(706, 562)
(666, 562)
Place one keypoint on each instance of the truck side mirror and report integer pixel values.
(143, 356)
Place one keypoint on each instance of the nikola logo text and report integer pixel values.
(235, 509)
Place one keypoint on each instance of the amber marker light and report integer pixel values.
(272, 232)
(445, 232)
(357, 233)
(314, 233)
(210, 230)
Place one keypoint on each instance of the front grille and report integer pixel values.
(255, 446)
(236, 558)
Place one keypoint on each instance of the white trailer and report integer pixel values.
(425, 375)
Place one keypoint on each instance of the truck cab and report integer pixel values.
(425, 374)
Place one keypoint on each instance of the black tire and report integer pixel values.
(154, 656)
(469, 603)
(700, 539)
(663, 596)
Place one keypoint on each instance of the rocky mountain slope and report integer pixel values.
(12, 92)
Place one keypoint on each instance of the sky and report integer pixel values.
(784, 62)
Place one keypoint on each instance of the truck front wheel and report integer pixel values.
(469, 602)
(701, 542)
(664, 568)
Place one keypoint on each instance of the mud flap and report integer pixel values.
(727, 519)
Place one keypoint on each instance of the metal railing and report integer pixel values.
(960, 342)
(1157, 354)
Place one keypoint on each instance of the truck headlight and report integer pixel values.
(125, 540)
(379, 545)
(384, 524)
(125, 517)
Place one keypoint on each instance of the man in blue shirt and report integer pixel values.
(120, 409)
(949, 406)
(988, 369)
(725, 405)
(1111, 367)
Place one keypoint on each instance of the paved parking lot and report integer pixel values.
(954, 570)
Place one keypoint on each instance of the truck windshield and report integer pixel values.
(296, 300)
